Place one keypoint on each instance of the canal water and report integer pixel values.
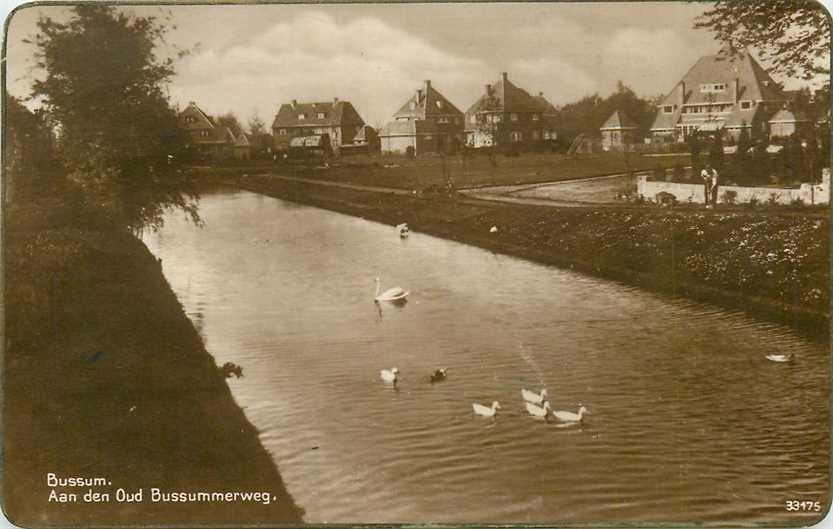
(689, 422)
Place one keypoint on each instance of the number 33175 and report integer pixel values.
(795, 505)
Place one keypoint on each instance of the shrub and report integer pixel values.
(410, 152)
(797, 202)
(772, 200)
(753, 202)
(729, 196)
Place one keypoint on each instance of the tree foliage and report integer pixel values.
(590, 112)
(105, 88)
(28, 150)
(793, 35)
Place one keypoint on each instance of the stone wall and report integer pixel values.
(807, 193)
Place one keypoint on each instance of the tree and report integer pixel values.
(793, 35)
(230, 121)
(29, 151)
(105, 88)
(716, 152)
(744, 143)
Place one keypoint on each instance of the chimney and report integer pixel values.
(419, 96)
(540, 94)
(294, 103)
(504, 76)
(427, 86)
(335, 100)
(735, 89)
(488, 89)
(682, 93)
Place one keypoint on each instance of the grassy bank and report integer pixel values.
(765, 263)
(473, 170)
(106, 377)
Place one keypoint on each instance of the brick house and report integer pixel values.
(619, 131)
(722, 95)
(336, 119)
(427, 122)
(209, 139)
(508, 115)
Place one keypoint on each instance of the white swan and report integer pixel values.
(391, 294)
(538, 411)
(390, 375)
(403, 230)
(531, 396)
(568, 416)
(780, 358)
(485, 411)
(493, 229)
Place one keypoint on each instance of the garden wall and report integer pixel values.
(807, 193)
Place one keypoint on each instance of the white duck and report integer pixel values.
(390, 375)
(780, 358)
(531, 396)
(538, 411)
(391, 294)
(568, 416)
(485, 411)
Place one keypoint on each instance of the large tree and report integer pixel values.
(792, 35)
(106, 90)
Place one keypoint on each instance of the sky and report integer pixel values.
(248, 59)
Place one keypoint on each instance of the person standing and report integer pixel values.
(705, 174)
(714, 183)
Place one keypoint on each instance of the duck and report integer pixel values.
(568, 416)
(439, 375)
(390, 375)
(403, 230)
(535, 398)
(493, 229)
(538, 411)
(391, 294)
(486, 411)
(780, 358)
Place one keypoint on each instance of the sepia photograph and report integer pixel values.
(563, 264)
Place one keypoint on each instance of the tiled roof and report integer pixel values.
(333, 114)
(504, 96)
(753, 84)
(619, 120)
(426, 102)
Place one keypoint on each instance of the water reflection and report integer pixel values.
(690, 422)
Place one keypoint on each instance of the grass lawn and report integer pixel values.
(477, 170)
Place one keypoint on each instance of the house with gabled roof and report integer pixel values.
(338, 120)
(618, 131)
(508, 115)
(427, 122)
(719, 94)
(207, 137)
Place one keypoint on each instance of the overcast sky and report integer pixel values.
(249, 59)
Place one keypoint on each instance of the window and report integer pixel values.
(745, 105)
(302, 116)
(321, 115)
(516, 136)
(536, 134)
(456, 121)
(203, 134)
(472, 119)
(442, 119)
(513, 116)
(189, 119)
(439, 104)
(536, 117)
(496, 118)
(668, 109)
(428, 137)
(282, 132)
(712, 88)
